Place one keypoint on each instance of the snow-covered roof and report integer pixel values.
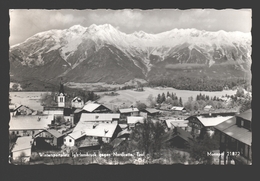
(77, 134)
(23, 143)
(208, 107)
(176, 108)
(128, 110)
(91, 107)
(152, 110)
(25, 122)
(213, 121)
(101, 130)
(176, 122)
(135, 119)
(76, 99)
(98, 117)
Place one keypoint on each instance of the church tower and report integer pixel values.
(61, 96)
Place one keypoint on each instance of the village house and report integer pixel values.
(101, 132)
(23, 146)
(178, 109)
(50, 136)
(90, 107)
(124, 112)
(77, 102)
(236, 138)
(151, 111)
(75, 138)
(208, 108)
(16, 110)
(172, 123)
(177, 137)
(133, 120)
(198, 123)
(28, 125)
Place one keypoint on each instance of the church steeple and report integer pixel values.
(61, 95)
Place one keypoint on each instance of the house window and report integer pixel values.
(69, 140)
(242, 123)
(64, 139)
(17, 132)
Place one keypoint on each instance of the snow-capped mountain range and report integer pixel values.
(103, 53)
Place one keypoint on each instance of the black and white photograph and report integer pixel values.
(130, 86)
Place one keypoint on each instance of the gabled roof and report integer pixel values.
(247, 115)
(176, 122)
(29, 122)
(176, 132)
(91, 107)
(101, 130)
(96, 129)
(76, 99)
(77, 134)
(90, 117)
(152, 110)
(230, 128)
(128, 110)
(212, 121)
(135, 119)
(176, 108)
(23, 143)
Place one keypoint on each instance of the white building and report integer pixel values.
(77, 102)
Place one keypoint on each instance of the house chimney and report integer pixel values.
(95, 125)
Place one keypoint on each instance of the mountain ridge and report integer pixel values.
(144, 53)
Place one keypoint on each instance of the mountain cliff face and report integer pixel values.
(104, 54)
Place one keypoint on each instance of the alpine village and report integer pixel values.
(79, 132)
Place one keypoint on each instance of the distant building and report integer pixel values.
(208, 108)
(178, 109)
(23, 146)
(128, 112)
(236, 137)
(77, 102)
(151, 111)
(133, 120)
(172, 123)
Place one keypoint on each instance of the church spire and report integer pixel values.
(61, 87)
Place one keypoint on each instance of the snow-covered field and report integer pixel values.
(125, 97)
(129, 97)
(30, 99)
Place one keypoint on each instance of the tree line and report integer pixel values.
(199, 84)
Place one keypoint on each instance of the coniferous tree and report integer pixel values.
(180, 102)
(163, 97)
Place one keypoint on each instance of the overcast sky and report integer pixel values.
(26, 23)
